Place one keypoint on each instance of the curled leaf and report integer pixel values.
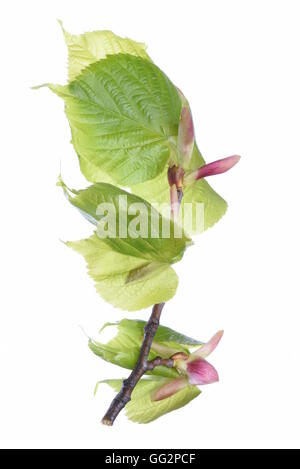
(143, 409)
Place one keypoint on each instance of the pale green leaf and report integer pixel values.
(214, 207)
(142, 409)
(130, 333)
(124, 114)
(87, 48)
(134, 328)
(127, 358)
(112, 271)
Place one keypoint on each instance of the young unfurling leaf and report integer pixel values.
(171, 388)
(124, 352)
(134, 329)
(143, 409)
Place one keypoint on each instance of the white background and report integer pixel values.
(238, 64)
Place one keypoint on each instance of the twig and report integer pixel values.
(140, 369)
(143, 365)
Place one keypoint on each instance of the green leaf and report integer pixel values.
(134, 328)
(130, 272)
(123, 349)
(87, 48)
(157, 191)
(124, 114)
(127, 358)
(142, 409)
(120, 356)
(152, 246)
(200, 192)
(131, 332)
(112, 273)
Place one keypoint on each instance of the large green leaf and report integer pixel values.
(142, 409)
(87, 48)
(153, 246)
(124, 114)
(124, 348)
(199, 192)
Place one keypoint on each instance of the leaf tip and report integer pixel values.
(37, 87)
(67, 36)
(107, 324)
(96, 387)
